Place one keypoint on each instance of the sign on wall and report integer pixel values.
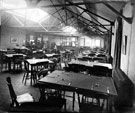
(14, 40)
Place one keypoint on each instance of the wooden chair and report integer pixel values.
(18, 100)
(28, 74)
(101, 71)
(3, 62)
(90, 102)
(53, 96)
(42, 69)
(17, 62)
(99, 59)
(64, 66)
(74, 68)
(25, 103)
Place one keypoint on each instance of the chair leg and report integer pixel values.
(65, 107)
(23, 76)
(27, 75)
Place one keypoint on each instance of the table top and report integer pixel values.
(34, 61)
(11, 55)
(104, 65)
(104, 85)
(51, 54)
(86, 63)
(91, 64)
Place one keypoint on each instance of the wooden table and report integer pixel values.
(72, 81)
(50, 55)
(10, 57)
(91, 64)
(36, 62)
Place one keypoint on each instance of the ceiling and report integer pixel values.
(87, 16)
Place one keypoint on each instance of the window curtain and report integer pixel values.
(117, 50)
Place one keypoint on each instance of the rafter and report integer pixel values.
(86, 24)
(58, 12)
(129, 20)
(78, 16)
(84, 18)
(96, 19)
(100, 23)
(90, 12)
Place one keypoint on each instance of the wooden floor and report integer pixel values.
(20, 88)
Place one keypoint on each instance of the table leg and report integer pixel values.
(9, 66)
(73, 101)
(31, 74)
(109, 105)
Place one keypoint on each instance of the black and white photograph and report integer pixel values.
(67, 56)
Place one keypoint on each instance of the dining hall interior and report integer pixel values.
(67, 56)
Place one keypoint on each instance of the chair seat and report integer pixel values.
(52, 104)
(42, 72)
(27, 97)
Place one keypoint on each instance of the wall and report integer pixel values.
(91, 41)
(7, 33)
(56, 39)
(127, 60)
(131, 65)
(127, 12)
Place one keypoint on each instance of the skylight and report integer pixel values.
(69, 29)
(33, 14)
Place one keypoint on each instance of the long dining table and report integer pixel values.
(91, 64)
(73, 81)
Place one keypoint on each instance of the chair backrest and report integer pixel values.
(101, 71)
(18, 58)
(26, 66)
(42, 65)
(12, 92)
(92, 54)
(74, 68)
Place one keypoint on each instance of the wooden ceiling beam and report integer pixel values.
(129, 20)
(90, 12)
(58, 12)
(85, 19)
